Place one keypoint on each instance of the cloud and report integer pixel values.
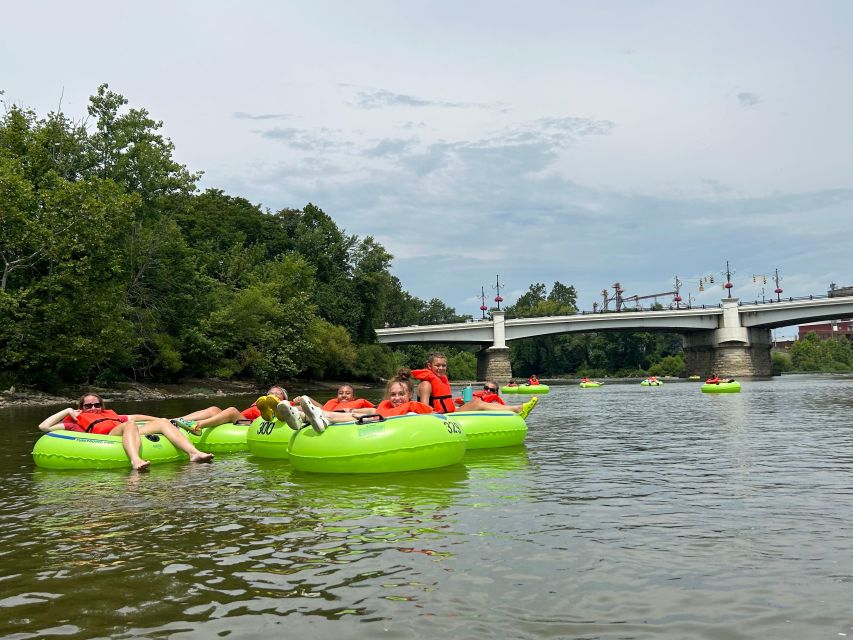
(389, 147)
(242, 115)
(503, 203)
(323, 140)
(747, 99)
(380, 98)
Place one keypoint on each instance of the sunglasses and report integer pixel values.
(92, 405)
(490, 389)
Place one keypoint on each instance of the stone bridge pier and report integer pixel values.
(493, 362)
(731, 350)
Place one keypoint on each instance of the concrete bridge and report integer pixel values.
(731, 339)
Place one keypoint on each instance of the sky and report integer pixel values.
(582, 142)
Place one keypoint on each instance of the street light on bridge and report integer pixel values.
(483, 307)
(778, 289)
(728, 284)
(498, 286)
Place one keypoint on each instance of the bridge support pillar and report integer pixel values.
(493, 364)
(731, 350)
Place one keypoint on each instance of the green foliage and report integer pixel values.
(113, 266)
(462, 365)
(815, 354)
(781, 362)
(562, 300)
(374, 361)
(593, 354)
(669, 366)
(330, 352)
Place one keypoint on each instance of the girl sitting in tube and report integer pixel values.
(434, 388)
(91, 416)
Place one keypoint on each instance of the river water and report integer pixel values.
(630, 512)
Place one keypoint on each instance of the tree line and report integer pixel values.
(114, 266)
(621, 354)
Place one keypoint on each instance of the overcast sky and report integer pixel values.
(580, 142)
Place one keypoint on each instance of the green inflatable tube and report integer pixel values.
(224, 438)
(79, 450)
(403, 443)
(490, 429)
(527, 388)
(590, 385)
(721, 387)
(269, 439)
(648, 383)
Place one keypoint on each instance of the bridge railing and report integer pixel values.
(680, 307)
(788, 299)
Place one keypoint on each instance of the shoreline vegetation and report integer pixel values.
(137, 392)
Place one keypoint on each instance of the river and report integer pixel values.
(630, 512)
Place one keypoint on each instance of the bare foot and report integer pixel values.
(140, 465)
(201, 457)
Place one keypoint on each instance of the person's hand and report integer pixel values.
(74, 413)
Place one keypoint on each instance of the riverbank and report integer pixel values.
(134, 391)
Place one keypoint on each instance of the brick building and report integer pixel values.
(834, 329)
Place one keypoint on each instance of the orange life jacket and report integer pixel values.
(386, 409)
(441, 396)
(87, 420)
(337, 405)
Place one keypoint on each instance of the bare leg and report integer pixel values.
(131, 443)
(176, 438)
(202, 414)
(231, 414)
(477, 404)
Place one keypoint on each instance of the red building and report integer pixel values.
(833, 329)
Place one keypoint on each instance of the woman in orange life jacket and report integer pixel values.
(92, 417)
(213, 416)
(533, 380)
(489, 393)
(345, 401)
(434, 390)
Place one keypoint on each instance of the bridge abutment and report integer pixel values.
(730, 350)
(493, 364)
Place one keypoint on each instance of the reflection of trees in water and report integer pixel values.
(187, 542)
(329, 536)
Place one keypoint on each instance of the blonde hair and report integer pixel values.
(403, 377)
(282, 395)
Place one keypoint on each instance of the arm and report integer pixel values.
(424, 392)
(54, 422)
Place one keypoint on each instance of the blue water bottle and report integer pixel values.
(468, 394)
